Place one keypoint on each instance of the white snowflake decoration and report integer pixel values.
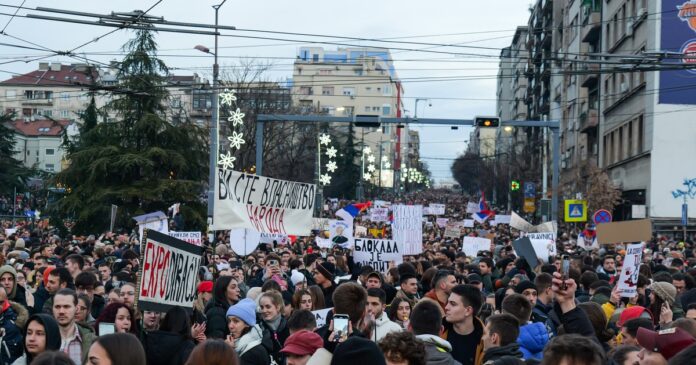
(325, 179)
(387, 165)
(367, 177)
(367, 150)
(331, 166)
(227, 97)
(236, 141)
(331, 152)
(227, 161)
(236, 117)
(324, 139)
(385, 158)
(371, 168)
(371, 158)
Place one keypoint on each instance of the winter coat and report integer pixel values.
(437, 351)
(411, 299)
(53, 340)
(167, 348)
(12, 345)
(98, 304)
(41, 296)
(88, 338)
(544, 314)
(383, 326)
(18, 293)
(273, 340)
(493, 354)
(532, 340)
(250, 348)
(216, 322)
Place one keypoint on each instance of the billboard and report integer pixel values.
(678, 35)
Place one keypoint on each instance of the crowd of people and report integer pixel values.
(73, 300)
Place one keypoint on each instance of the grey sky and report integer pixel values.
(493, 20)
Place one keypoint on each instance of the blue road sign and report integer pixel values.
(602, 216)
(576, 211)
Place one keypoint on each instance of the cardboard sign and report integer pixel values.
(156, 221)
(626, 231)
(520, 223)
(194, 238)
(441, 222)
(407, 228)
(379, 214)
(472, 245)
(262, 203)
(628, 280)
(320, 316)
(524, 248)
(281, 239)
(169, 273)
(341, 233)
(377, 253)
(323, 242)
(434, 209)
(453, 231)
(244, 241)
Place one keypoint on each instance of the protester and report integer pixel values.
(463, 330)
(225, 294)
(172, 343)
(273, 323)
(403, 348)
(116, 349)
(500, 339)
(245, 336)
(300, 347)
(426, 323)
(120, 315)
(213, 352)
(76, 338)
(40, 334)
(399, 311)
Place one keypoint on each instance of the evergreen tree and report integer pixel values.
(13, 174)
(142, 163)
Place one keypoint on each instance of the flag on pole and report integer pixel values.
(483, 213)
(352, 210)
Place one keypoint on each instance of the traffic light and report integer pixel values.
(487, 122)
(514, 185)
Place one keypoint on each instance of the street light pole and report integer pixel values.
(214, 121)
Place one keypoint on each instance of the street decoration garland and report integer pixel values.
(236, 117)
(331, 152)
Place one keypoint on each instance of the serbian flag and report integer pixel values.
(352, 210)
(484, 213)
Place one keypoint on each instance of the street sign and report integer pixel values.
(685, 214)
(529, 205)
(575, 211)
(601, 216)
(529, 190)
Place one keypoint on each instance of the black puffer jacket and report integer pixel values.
(216, 310)
(167, 348)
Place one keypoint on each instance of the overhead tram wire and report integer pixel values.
(12, 17)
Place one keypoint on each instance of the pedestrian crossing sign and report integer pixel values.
(575, 211)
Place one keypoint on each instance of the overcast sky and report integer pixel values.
(467, 22)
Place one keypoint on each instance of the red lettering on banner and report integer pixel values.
(267, 220)
(147, 267)
(163, 270)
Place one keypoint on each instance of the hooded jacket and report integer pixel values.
(216, 313)
(532, 340)
(437, 350)
(167, 348)
(493, 354)
(52, 330)
(18, 294)
(383, 326)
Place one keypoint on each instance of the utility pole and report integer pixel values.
(14, 207)
(360, 190)
(545, 163)
(380, 164)
(319, 200)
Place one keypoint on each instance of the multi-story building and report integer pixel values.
(354, 81)
(38, 143)
(54, 90)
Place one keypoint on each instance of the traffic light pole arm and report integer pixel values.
(552, 125)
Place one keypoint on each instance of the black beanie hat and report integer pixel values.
(327, 269)
(357, 350)
(524, 285)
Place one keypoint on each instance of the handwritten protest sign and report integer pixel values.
(320, 316)
(360, 231)
(407, 228)
(453, 230)
(281, 239)
(441, 222)
(628, 280)
(194, 238)
(468, 223)
(379, 214)
(434, 209)
(377, 253)
(472, 245)
(544, 244)
(472, 208)
(261, 203)
(169, 274)
(320, 224)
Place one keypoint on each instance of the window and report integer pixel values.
(386, 90)
(11, 94)
(375, 108)
(305, 90)
(622, 152)
(49, 167)
(47, 112)
(349, 91)
(327, 90)
(64, 114)
(639, 137)
(315, 58)
(324, 71)
(367, 108)
(65, 96)
(50, 152)
(631, 148)
(386, 109)
(368, 88)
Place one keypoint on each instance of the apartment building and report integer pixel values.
(354, 81)
(38, 143)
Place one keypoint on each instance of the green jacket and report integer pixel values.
(88, 337)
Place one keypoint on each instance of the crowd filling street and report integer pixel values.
(69, 299)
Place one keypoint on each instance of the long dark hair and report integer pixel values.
(108, 315)
(51, 329)
(122, 348)
(220, 291)
(177, 321)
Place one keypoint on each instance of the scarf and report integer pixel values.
(274, 323)
(248, 341)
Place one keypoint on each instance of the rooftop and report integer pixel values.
(55, 74)
(44, 127)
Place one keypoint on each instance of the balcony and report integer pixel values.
(38, 102)
(590, 75)
(591, 21)
(589, 120)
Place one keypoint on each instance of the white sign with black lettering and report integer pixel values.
(377, 253)
(628, 280)
(407, 228)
